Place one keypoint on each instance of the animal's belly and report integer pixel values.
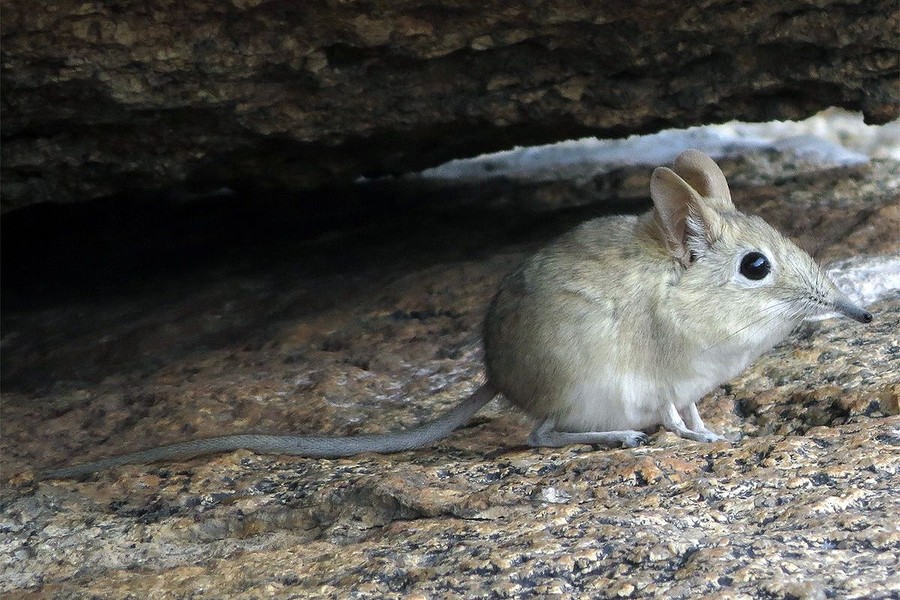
(629, 401)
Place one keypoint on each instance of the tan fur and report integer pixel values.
(625, 322)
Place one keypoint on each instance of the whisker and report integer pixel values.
(790, 309)
(776, 313)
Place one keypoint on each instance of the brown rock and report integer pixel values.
(803, 504)
(101, 99)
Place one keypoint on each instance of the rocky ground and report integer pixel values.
(375, 327)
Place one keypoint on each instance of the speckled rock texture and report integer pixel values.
(100, 98)
(368, 330)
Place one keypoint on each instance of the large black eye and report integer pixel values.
(755, 266)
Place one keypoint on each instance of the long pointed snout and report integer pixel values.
(845, 306)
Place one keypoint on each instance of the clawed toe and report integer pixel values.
(709, 437)
(636, 439)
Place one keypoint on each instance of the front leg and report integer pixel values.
(544, 435)
(674, 423)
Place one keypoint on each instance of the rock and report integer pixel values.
(368, 330)
(101, 99)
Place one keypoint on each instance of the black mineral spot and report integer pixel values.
(892, 440)
(821, 479)
(826, 357)
(874, 409)
(116, 505)
(743, 408)
(266, 486)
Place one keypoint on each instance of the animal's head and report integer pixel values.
(737, 269)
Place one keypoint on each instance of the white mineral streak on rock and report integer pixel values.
(866, 279)
(832, 138)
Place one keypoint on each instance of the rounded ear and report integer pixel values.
(687, 225)
(705, 176)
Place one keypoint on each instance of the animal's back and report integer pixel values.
(577, 318)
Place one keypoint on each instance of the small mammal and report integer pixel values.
(618, 326)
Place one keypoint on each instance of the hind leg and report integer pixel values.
(544, 435)
(694, 429)
(695, 423)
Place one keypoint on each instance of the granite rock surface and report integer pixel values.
(367, 330)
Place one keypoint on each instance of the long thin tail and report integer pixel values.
(301, 445)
